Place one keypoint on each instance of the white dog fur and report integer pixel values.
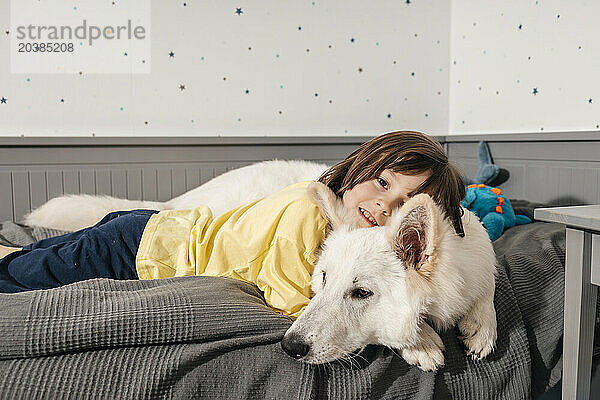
(382, 285)
(222, 193)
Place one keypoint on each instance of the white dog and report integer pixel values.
(221, 194)
(382, 285)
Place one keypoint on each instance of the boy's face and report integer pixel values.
(374, 200)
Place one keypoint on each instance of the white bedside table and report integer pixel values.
(582, 278)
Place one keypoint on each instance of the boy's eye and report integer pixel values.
(382, 182)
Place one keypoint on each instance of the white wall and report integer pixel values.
(474, 71)
(495, 66)
(262, 51)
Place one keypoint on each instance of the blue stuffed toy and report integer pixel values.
(493, 209)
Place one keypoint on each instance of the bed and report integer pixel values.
(181, 338)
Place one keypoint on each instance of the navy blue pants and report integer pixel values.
(106, 250)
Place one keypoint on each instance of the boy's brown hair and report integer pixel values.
(409, 153)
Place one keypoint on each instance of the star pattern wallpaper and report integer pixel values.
(524, 66)
(309, 68)
(236, 68)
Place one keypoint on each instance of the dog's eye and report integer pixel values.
(361, 293)
(324, 276)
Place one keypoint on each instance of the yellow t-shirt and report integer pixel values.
(269, 242)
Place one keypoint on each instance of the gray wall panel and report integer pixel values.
(6, 200)
(21, 197)
(149, 188)
(87, 181)
(535, 174)
(178, 179)
(218, 169)
(553, 184)
(163, 182)
(565, 176)
(70, 181)
(547, 168)
(37, 188)
(168, 154)
(192, 177)
(103, 183)
(585, 180)
(118, 179)
(134, 184)
(575, 151)
(515, 186)
(54, 183)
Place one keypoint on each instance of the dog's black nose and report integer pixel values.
(294, 346)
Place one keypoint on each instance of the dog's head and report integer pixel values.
(368, 282)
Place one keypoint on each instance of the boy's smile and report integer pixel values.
(375, 199)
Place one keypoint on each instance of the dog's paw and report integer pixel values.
(479, 345)
(427, 358)
(478, 330)
(479, 341)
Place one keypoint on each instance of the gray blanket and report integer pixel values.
(203, 337)
(12, 234)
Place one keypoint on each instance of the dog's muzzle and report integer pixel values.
(295, 346)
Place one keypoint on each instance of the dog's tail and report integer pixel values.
(73, 212)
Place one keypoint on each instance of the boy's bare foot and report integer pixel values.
(5, 250)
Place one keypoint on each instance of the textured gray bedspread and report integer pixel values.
(202, 337)
(12, 234)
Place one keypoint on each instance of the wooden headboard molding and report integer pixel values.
(553, 168)
(36, 169)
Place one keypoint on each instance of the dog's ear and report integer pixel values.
(413, 233)
(330, 206)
